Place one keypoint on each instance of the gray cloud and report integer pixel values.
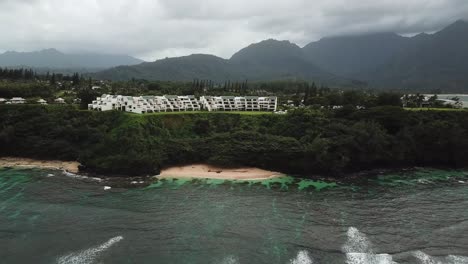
(163, 28)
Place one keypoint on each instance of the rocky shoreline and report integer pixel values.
(67, 166)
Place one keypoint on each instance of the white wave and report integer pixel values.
(230, 260)
(457, 259)
(88, 256)
(425, 258)
(357, 242)
(80, 177)
(302, 257)
(359, 250)
(366, 258)
(451, 259)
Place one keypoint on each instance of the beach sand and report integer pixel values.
(203, 171)
(69, 166)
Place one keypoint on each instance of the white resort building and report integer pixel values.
(145, 104)
(233, 103)
(18, 100)
(41, 101)
(174, 103)
(59, 101)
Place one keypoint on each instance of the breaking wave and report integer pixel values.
(230, 260)
(424, 258)
(302, 257)
(358, 250)
(88, 256)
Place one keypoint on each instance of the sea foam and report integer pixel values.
(359, 250)
(451, 259)
(302, 257)
(230, 260)
(88, 256)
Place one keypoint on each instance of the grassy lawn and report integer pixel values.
(436, 109)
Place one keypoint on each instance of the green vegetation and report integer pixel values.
(436, 109)
(305, 141)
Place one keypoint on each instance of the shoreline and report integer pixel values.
(205, 171)
(194, 171)
(68, 166)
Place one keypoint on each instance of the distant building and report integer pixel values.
(426, 100)
(450, 103)
(42, 101)
(18, 100)
(59, 101)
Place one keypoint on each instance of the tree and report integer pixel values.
(386, 98)
(52, 79)
(87, 95)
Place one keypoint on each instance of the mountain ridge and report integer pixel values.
(382, 60)
(258, 62)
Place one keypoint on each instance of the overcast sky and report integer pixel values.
(153, 29)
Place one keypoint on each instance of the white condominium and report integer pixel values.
(145, 104)
(233, 103)
(174, 103)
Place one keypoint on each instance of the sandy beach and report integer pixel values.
(70, 166)
(203, 171)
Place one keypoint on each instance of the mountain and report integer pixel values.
(382, 60)
(387, 60)
(185, 68)
(54, 59)
(272, 59)
(437, 61)
(267, 60)
(355, 55)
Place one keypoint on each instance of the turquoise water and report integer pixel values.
(412, 217)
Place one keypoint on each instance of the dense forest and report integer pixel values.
(303, 142)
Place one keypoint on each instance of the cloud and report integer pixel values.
(153, 29)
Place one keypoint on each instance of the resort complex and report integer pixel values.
(174, 103)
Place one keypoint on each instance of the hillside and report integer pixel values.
(174, 69)
(54, 59)
(301, 143)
